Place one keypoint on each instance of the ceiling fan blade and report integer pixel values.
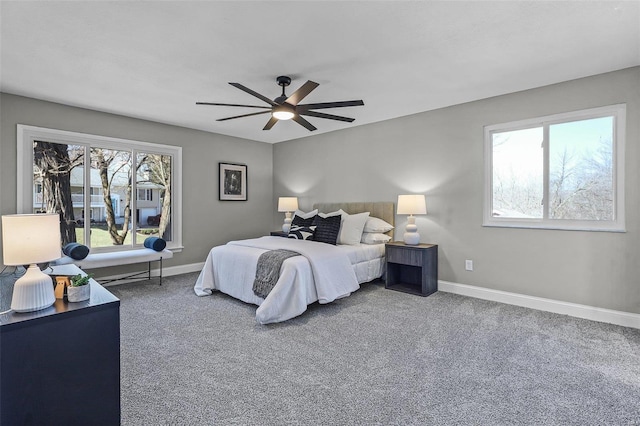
(272, 121)
(243, 115)
(303, 91)
(251, 92)
(323, 115)
(233, 105)
(304, 123)
(321, 105)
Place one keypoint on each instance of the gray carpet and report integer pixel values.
(378, 357)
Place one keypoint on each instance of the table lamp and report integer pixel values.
(412, 204)
(29, 239)
(287, 205)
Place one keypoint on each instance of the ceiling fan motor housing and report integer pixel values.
(280, 99)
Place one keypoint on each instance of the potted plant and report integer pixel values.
(79, 289)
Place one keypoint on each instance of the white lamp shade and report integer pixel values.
(30, 238)
(412, 204)
(287, 204)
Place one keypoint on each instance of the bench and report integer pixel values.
(128, 257)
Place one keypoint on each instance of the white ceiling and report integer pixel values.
(154, 60)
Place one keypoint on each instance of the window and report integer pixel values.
(564, 171)
(145, 195)
(97, 183)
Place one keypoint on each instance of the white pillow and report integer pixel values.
(304, 215)
(351, 228)
(377, 225)
(374, 238)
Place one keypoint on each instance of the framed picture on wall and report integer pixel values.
(233, 182)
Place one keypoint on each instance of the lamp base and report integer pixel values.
(286, 226)
(411, 238)
(33, 291)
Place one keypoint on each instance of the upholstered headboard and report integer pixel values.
(384, 210)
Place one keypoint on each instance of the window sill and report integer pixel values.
(550, 227)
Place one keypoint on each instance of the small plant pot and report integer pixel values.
(79, 294)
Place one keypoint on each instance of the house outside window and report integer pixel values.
(564, 171)
(97, 183)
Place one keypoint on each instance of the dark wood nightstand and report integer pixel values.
(279, 234)
(412, 269)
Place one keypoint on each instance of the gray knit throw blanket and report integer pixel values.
(268, 270)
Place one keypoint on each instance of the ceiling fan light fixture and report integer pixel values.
(282, 114)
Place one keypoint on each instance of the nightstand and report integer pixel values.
(412, 269)
(279, 234)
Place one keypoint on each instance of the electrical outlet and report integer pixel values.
(468, 265)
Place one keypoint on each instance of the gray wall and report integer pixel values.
(440, 153)
(206, 221)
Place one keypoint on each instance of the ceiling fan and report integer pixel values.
(287, 107)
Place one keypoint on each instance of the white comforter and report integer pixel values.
(323, 273)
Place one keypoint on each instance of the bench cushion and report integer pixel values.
(104, 260)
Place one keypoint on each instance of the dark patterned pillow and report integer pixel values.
(301, 222)
(327, 229)
(302, 232)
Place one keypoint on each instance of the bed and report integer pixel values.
(322, 274)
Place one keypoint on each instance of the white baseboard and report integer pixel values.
(625, 319)
(182, 269)
(166, 272)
